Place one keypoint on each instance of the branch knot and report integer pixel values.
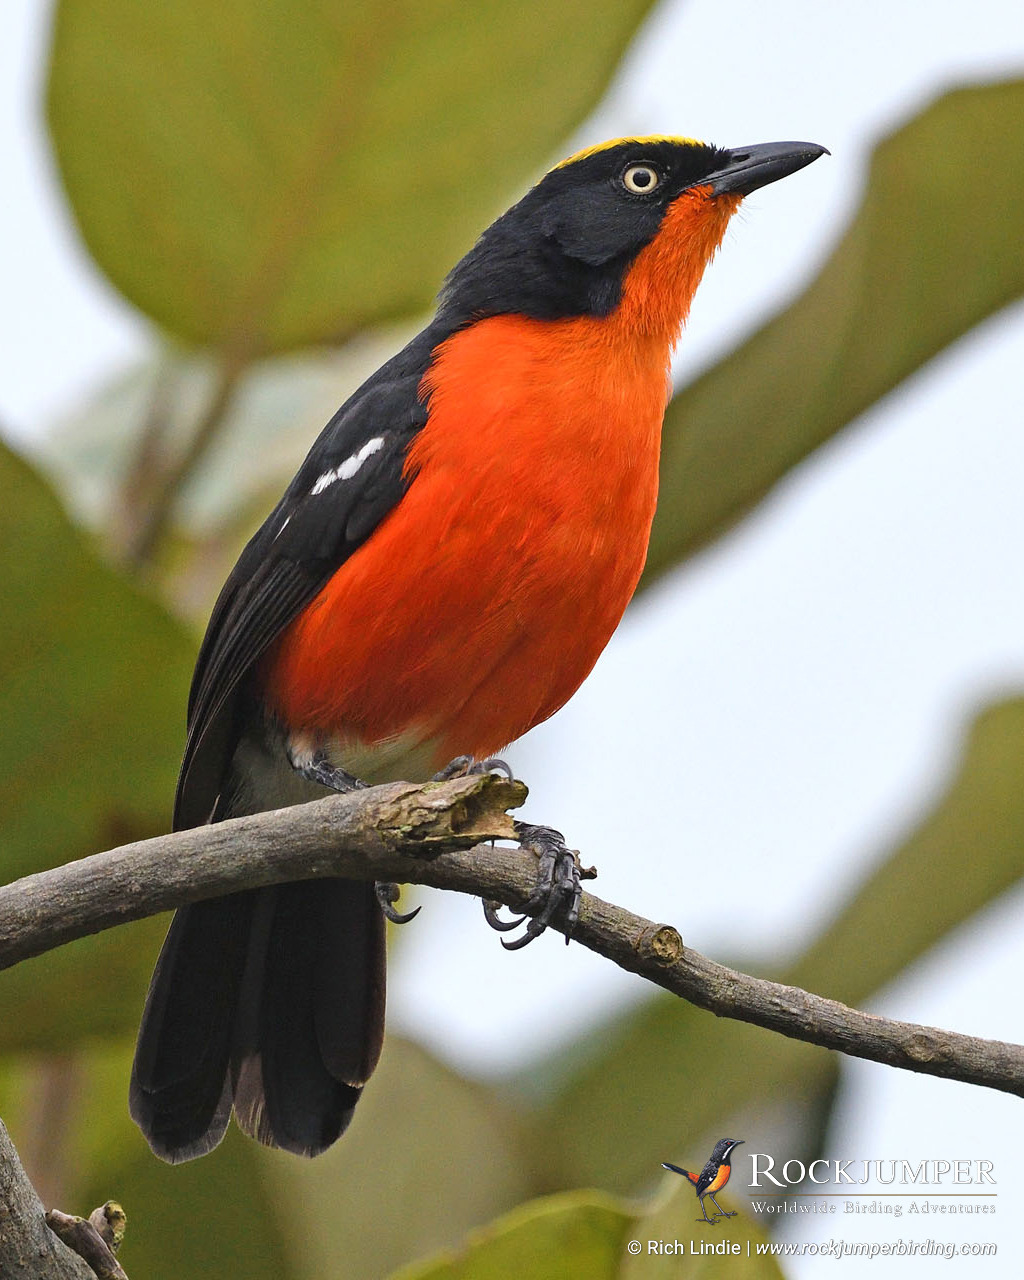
(662, 943)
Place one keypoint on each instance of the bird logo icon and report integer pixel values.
(712, 1177)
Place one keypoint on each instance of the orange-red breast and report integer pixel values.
(440, 576)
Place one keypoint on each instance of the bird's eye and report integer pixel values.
(640, 179)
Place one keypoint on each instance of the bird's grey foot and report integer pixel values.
(556, 895)
(463, 766)
(316, 767)
(725, 1213)
(388, 894)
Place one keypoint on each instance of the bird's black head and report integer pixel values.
(724, 1149)
(565, 248)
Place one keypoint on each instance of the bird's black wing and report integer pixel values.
(350, 480)
(707, 1176)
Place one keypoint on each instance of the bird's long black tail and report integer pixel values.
(271, 1002)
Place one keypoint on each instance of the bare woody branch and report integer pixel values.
(29, 1250)
(94, 1239)
(431, 834)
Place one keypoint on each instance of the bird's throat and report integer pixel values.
(660, 284)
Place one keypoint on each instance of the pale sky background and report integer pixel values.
(820, 662)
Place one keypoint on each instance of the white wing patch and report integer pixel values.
(347, 469)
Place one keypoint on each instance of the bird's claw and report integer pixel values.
(464, 766)
(388, 894)
(491, 910)
(557, 892)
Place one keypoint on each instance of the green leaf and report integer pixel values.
(588, 1234)
(578, 1233)
(89, 989)
(264, 174)
(94, 677)
(961, 857)
(93, 681)
(927, 257)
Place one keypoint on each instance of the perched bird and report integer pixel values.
(713, 1177)
(439, 577)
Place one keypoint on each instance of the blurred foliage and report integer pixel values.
(264, 150)
(265, 432)
(581, 1233)
(965, 853)
(206, 1218)
(694, 1073)
(235, 171)
(95, 757)
(667, 1219)
(266, 429)
(105, 725)
(921, 264)
(586, 1233)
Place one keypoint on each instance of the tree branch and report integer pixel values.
(28, 1248)
(94, 1239)
(430, 834)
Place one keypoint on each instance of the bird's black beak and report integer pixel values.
(747, 168)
